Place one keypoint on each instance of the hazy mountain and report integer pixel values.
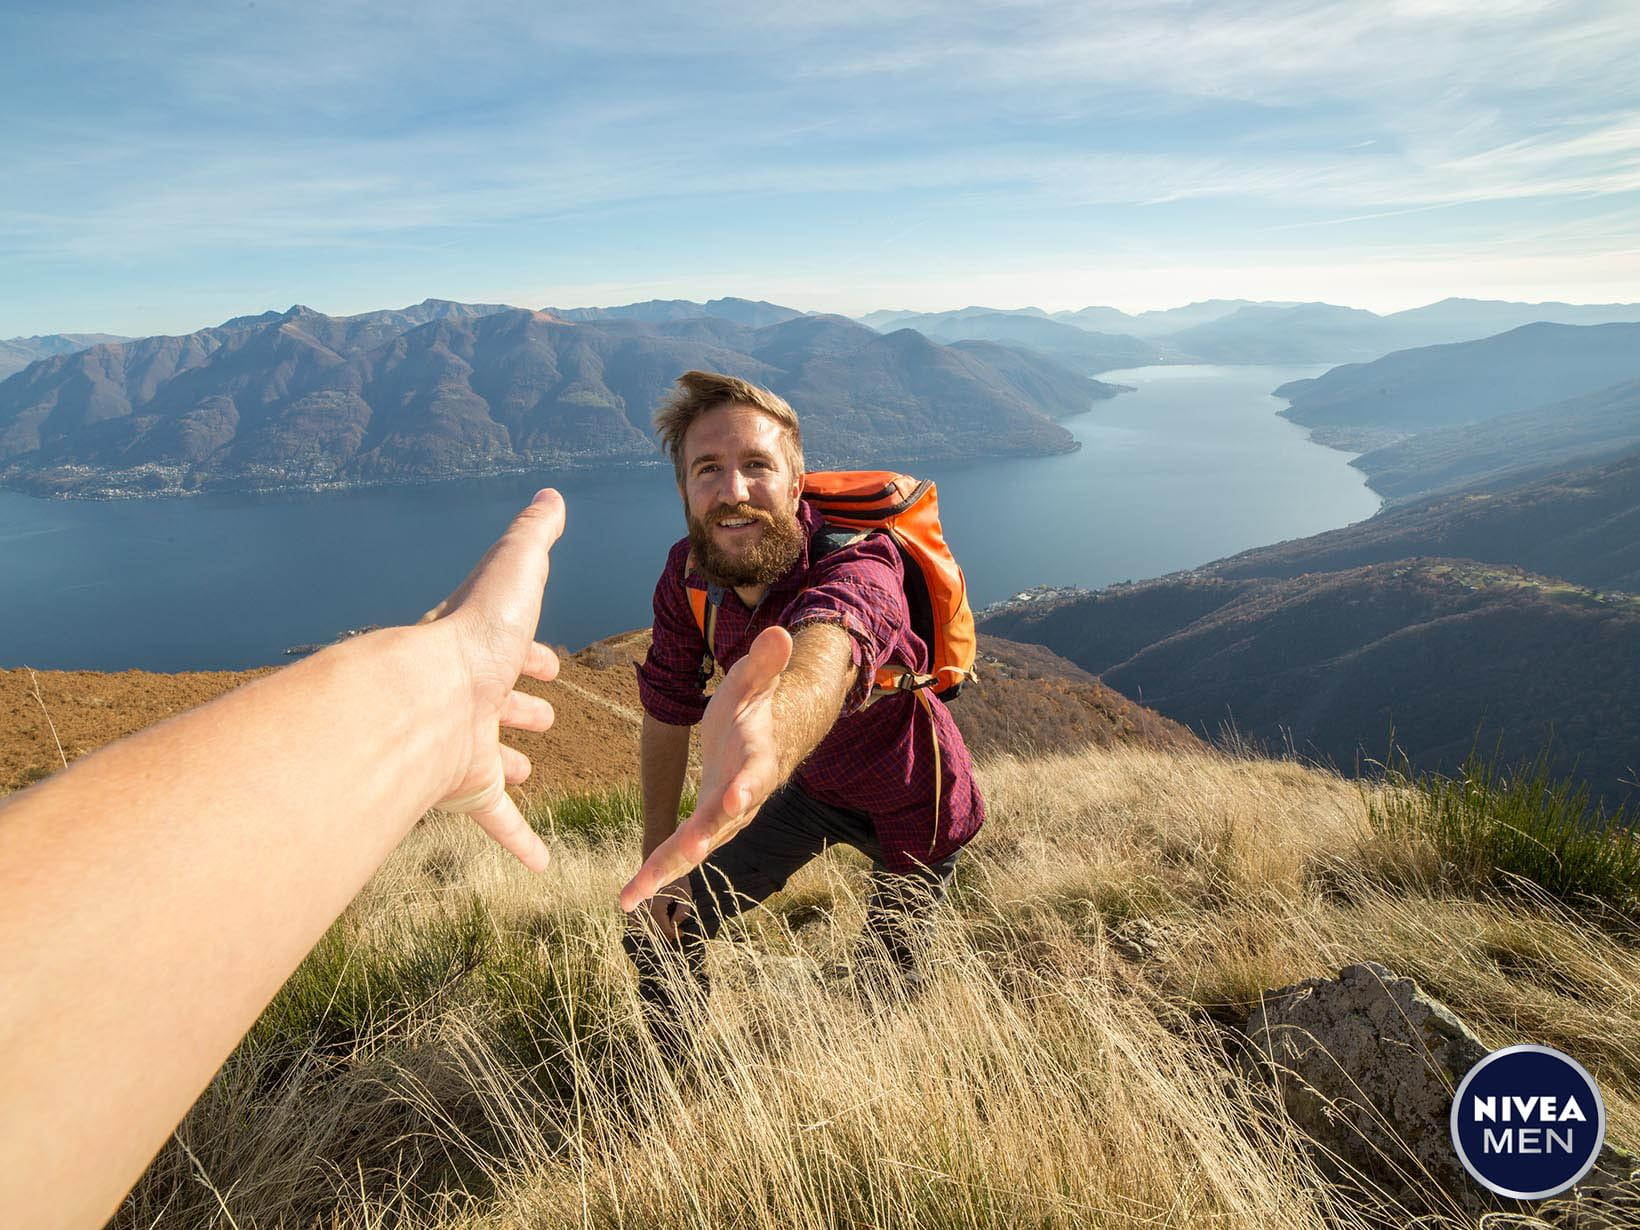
(16, 353)
(1094, 319)
(1085, 352)
(1442, 652)
(298, 398)
(1465, 382)
(657, 311)
(887, 320)
(1459, 320)
(1325, 333)
(1582, 524)
(1160, 322)
(1508, 447)
(1303, 333)
(1041, 379)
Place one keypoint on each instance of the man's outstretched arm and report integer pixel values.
(769, 713)
(154, 896)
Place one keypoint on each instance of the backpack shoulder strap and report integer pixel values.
(703, 605)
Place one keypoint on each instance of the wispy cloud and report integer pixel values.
(188, 131)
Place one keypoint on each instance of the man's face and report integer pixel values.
(740, 495)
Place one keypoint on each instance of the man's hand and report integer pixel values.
(491, 618)
(740, 759)
(670, 908)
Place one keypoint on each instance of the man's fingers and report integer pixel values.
(541, 663)
(499, 816)
(521, 711)
(515, 766)
(688, 847)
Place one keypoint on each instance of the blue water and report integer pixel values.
(1192, 466)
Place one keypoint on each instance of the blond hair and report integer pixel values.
(699, 392)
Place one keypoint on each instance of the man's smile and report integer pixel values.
(738, 523)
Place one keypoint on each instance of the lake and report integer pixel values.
(1193, 465)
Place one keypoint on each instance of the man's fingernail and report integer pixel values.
(541, 495)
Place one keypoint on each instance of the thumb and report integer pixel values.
(769, 654)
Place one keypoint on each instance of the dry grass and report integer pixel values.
(464, 1050)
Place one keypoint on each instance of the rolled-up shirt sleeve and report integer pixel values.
(669, 677)
(862, 588)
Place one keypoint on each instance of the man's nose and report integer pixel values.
(736, 490)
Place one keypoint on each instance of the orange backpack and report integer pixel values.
(856, 502)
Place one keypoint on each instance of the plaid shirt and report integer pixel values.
(877, 759)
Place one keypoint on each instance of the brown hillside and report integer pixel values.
(1027, 699)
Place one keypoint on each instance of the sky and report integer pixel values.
(169, 165)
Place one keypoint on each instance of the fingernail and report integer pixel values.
(541, 495)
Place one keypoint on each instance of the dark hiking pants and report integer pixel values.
(790, 829)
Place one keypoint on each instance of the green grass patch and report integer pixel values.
(350, 993)
(600, 817)
(1497, 830)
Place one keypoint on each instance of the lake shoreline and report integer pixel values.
(1192, 466)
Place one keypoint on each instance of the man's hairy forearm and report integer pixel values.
(663, 761)
(811, 691)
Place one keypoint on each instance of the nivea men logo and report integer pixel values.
(1528, 1122)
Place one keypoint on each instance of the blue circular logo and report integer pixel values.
(1528, 1122)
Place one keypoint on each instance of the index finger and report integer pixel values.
(517, 566)
(513, 572)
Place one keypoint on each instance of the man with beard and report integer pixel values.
(796, 754)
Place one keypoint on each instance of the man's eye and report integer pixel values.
(705, 469)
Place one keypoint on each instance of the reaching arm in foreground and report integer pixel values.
(770, 712)
(154, 896)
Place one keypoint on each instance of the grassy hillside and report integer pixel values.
(1437, 653)
(1026, 698)
(462, 1050)
(1503, 451)
(1581, 524)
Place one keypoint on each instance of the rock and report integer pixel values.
(1138, 940)
(1367, 1064)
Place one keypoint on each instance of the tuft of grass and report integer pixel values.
(1525, 832)
(598, 818)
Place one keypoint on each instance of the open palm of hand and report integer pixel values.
(740, 767)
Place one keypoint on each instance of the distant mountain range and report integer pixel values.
(657, 311)
(299, 398)
(16, 353)
(1088, 353)
(1411, 391)
(1447, 622)
(1243, 331)
(1095, 319)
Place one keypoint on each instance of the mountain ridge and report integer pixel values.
(300, 399)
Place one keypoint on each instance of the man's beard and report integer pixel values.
(765, 562)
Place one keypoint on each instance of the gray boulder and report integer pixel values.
(1367, 1065)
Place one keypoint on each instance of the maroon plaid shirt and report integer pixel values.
(878, 759)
